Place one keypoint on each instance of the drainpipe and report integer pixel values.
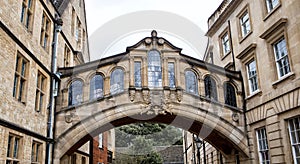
(53, 90)
(231, 46)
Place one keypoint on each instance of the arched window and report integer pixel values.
(191, 82)
(154, 69)
(96, 87)
(116, 81)
(75, 92)
(229, 94)
(210, 88)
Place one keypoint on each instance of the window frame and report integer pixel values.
(240, 16)
(211, 92)
(248, 76)
(21, 78)
(230, 98)
(266, 149)
(11, 150)
(27, 14)
(273, 7)
(297, 143)
(171, 75)
(36, 152)
(67, 56)
(45, 36)
(155, 70)
(93, 91)
(196, 91)
(138, 80)
(120, 87)
(282, 38)
(40, 92)
(224, 53)
(70, 93)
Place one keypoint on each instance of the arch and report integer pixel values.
(207, 125)
(154, 69)
(191, 82)
(230, 94)
(75, 91)
(210, 86)
(96, 87)
(116, 81)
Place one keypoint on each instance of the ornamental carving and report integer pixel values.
(156, 102)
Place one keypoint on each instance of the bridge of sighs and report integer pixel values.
(151, 82)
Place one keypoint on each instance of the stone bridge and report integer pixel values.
(151, 82)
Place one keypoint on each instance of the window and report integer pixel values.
(171, 75)
(229, 94)
(263, 148)
(210, 88)
(73, 21)
(117, 81)
(245, 23)
(20, 80)
(96, 87)
(40, 92)
(36, 153)
(75, 93)
(294, 130)
(67, 56)
(225, 43)
(45, 32)
(281, 57)
(27, 13)
(100, 140)
(252, 76)
(83, 160)
(73, 158)
(137, 74)
(13, 149)
(78, 30)
(191, 82)
(271, 4)
(154, 69)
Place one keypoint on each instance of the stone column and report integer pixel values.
(144, 72)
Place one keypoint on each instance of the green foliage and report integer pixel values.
(142, 128)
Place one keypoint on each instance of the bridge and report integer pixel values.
(151, 82)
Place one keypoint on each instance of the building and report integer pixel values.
(103, 147)
(50, 103)
(36, 37)
(261, 39)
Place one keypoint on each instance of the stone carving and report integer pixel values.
(156, 102)
(235, 117)
(69, 116)
(179, 95)
(131, 94)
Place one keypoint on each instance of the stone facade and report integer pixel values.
(275, 100)
(27, 30)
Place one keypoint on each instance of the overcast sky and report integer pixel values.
(101, 12)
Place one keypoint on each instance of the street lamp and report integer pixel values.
(198, 142)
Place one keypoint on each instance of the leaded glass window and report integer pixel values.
(229, 94)
(117, 81)
(210, 88)
(75, 93)
(137, 74)
(191, 83)
(96, 87)
(171, 75)
(154, 69)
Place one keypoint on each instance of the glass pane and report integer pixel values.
(154, 69)
(191, 82)
(75, 93)
(9, 146)
(16, 148)
(171, 75)
(96, 87)
(137, 74)
(117, 81)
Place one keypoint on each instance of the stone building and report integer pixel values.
(261, 39)
(36, 37)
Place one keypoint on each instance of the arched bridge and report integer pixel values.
(151, 82)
